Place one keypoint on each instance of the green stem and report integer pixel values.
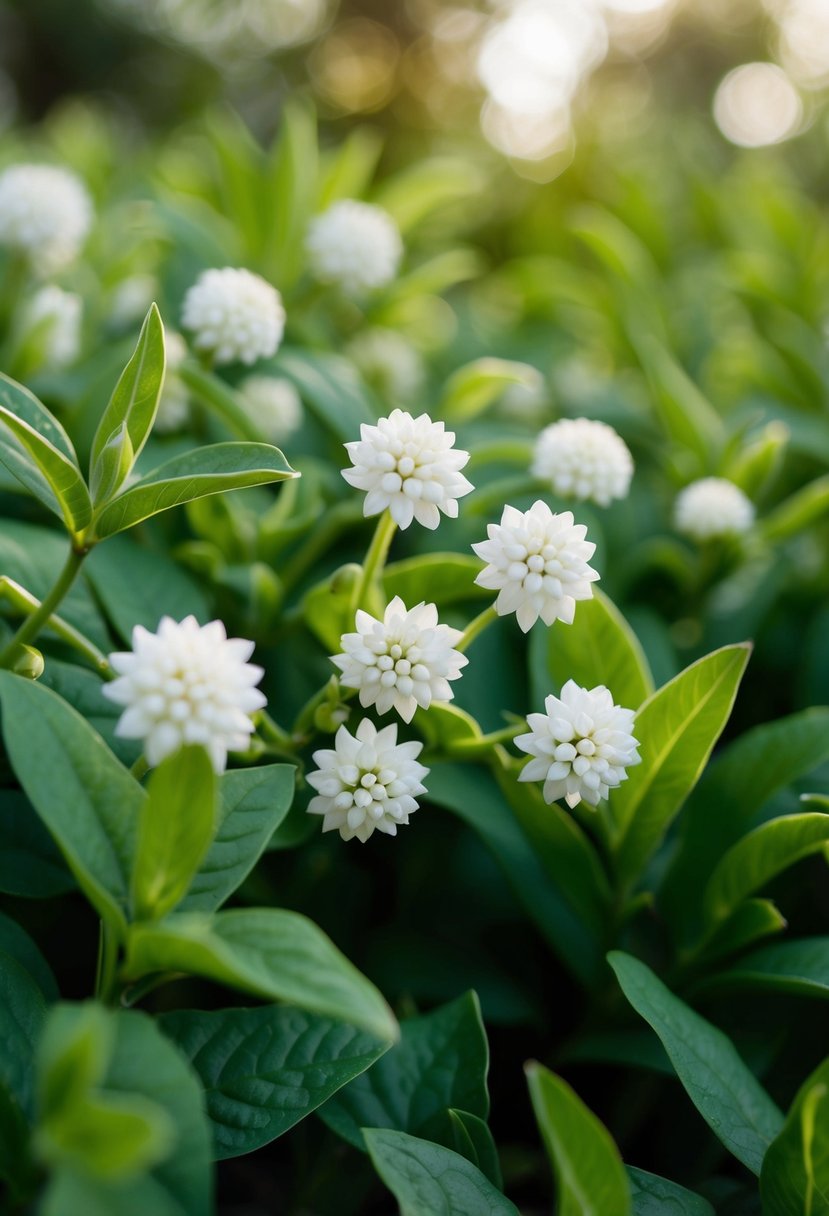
(337, 520)
(220, 399)
(375, 560)
(272, 732)
(33, 624)
(467, 748)
(106, 981)
(475, 627)
(139, 767)
(26, 603)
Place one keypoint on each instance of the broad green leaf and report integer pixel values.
(426, 1177)
(727, 1095)
(271, 953)
(654, 1196)
(471, 389)
(797, 966)
(137, 586)
(22, 1014)
(805, 507)
(36, 449)
(210, 470)
(175, 830)
(331, 389)
(16, 943)
(688, 417)
(132, 407)
(87, 799)
(109, 1138)
(794, 1180)
(448, 727)
(252, 804)
(758, 857)
(30, 862)
(441, 1061)
(590, 1177)
(83, 689)
(438, 578)
(293, 185)
(756, 465)
(677, 728)
(264, 1069)
(327, 610)
(743, 777)
(469, 792)
(753, 919)
(473, 1140)
(598, 648)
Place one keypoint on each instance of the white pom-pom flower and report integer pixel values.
(355, 246)
(235, 315)
(712, 507)
(367, 782)
(410, 466)
(583, 459)
(537, 564)
(53, 318)
(273, 404)
(187, 683)
(403, 661)
(581, 746)
(45, 213)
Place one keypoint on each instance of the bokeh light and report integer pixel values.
(757, 104)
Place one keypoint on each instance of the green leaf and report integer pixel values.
(727, 1095)
(421, 188)
(210, 470)
(598, 648)
(30, 862)
(471, 389)
(426, 1177)
(758, 857)
(176, 828)
(331, 389)
(473, 1140)
(440, 1061)
(22, 1014)
(293, 175)
(36, 449)
(87, 799)
(688, 417)
(794, 1180)
(16, 943)
(252, 804)
(72, 1056)
(265, 1069)
(590, 1177)
(799, 966)
(271, 953)
(137, 586)
(753, 919)
(438, 578)
(677, 728)
(133, 407)
(654, 1196)
(798, 512)
(758, 463)
(110, 1138)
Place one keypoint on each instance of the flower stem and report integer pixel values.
(375, 560)
(33, 624)
(139, 767)
(463, 748)
(26, 603)
(106, 977)
(475, 627)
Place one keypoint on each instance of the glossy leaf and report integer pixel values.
(753, 919)
(438, 578)
(727, 1095)
(654, 1196)
(264, 1069)
(590, 1177)
(797, 966)
(794, 1180)
(472, 1139)
(471, 389)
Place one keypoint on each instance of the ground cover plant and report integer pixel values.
(413, 645)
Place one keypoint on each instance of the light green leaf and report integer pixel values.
(271, 953)
(438, 578)
(590, 1177)
(794, 1180)
(688, 417)
(440, 1061)
(265, 1069)
(727, 1095)
(176, 828)
(471, 389)
(36, 449)
(798, 512)
(598, 648)
(210, 470)
(654, 1196)
(130, 413)
(87, 799)
(426, 1177)
(73, 1055)
(109, 1138)
(677, 728)
(425, 186)
(293, 176)
(757, 464)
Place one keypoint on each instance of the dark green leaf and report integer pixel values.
(138, 586)
(801, 967)
(17, 944)
(653, 1196)
(31, 864)
(22, 1014)
(794, 1180)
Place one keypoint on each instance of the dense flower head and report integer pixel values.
(235, 315)
(186, 683)
(54, 315)
(274, 404)
(537, 564)
(581, 746)
(404, 661)
(410, 466)
(583, 459)
(367, 782)
(355, 246)
(45, 213)
(712, 507)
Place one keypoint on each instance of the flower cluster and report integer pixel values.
(583, 459)
(234, 315)
(45, 213)
(713, 507)
(355, 246)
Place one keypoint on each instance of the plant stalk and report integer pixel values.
(33, 624)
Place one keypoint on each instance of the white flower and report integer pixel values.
(273, 404)
(581, 746)
(187, 683)
(410, 466)
(712, 507)
(583, 459)
(403, 661)
(131, 298)
(367, 782)
(537, 564)
(389, 363)
(355, 246)
(45, 212)
(234, 314)
(174, 402)
(54, 316)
